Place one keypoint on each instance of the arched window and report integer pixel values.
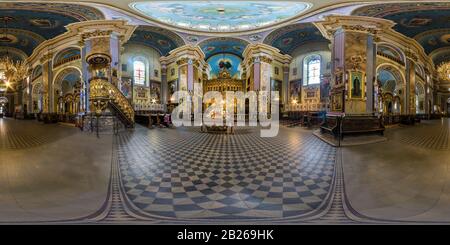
(139, 72)
(311, 69)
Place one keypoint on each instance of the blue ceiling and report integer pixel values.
(234, 62)
(66, 54)
(223, 45)
(288, 38)
(29, 24)
(221, 16)
(23, 40)
(428, 23)
(158, 38)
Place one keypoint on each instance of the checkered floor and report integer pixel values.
(20, 134)
(183, 173)
(428, 135)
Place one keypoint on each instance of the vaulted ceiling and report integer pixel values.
(158, 38)
(427, 23)
(219, 45)
(289, 38)
(23, 26)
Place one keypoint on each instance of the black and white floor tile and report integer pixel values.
(183, 173)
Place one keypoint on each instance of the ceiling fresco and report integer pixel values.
(224, 61)
(221, 16)
(12, 53)
(29, 24)
(158, 38)
(428, 23)
(441, 55)
(288, 38)
(78, 12)
(223, 45)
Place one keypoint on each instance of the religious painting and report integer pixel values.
(141, 92)
(126, 87)
(325, 88)
(336, 102)
(295, 90)
(356, 84)
(171, 87)
(276, 85)
(155, 90)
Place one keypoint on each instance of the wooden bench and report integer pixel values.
(331, 125)
(361, 125)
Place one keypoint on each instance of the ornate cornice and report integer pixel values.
(183, 54)
(411, 55)
(96, 33)
(360, 28)
(46, 57)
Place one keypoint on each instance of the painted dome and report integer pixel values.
(221, 16)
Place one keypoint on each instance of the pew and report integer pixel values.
(331, 125)
(361, 125)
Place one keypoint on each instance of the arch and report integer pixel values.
(158, 38)
(37, 72)
(419, 70)
(64, 72)
(420, 97)
(395, 71)
(288, 38)
(391, 50)
(37, 97)
(391, 84)
(65, 55)
(67, 83)
(220, 45)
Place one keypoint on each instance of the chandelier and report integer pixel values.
(11, 72)
(444, 71)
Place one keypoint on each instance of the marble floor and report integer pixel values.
(58, 174)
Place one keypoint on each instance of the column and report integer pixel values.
(164, 87)
(285, 93)
(410, 86)
(47, 80)
(190, 61)
(257, 60)
(353, 41)
(101, 42)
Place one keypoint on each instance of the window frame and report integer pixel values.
(306, 69)
(144, 75)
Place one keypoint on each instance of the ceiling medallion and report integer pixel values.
(221, 16)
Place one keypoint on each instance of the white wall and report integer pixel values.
(301, 52)
(150, 55)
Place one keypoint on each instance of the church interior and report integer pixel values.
(89, 100)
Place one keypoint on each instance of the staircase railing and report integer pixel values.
(101, 89)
